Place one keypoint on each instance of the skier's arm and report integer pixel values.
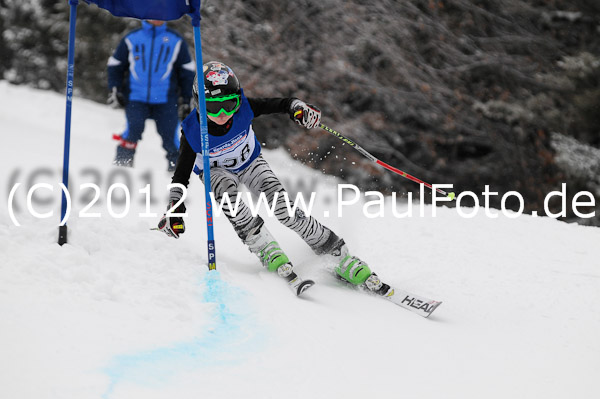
(186, 70)
(117, 65)
(170, 224)
(185, 163)
(304, 114)
(262, 106)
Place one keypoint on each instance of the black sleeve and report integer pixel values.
(262, 106)
(185, 163)
(185, 73)
(118, 65)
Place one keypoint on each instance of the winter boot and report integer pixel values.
(124, 156)
(171, 161)
(261, 242)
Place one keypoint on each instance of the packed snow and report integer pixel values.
(125, 312)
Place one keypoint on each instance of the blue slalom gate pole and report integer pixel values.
(212, 259)
(62, 229)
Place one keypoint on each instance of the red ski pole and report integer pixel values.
(369, 156)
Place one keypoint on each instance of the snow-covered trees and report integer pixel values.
(455, 91)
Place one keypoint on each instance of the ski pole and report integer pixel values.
(369, 156)
(62, 228)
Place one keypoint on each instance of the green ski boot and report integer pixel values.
(261, 242)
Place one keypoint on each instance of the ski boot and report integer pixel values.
(352, 269)
(374, 284)
(357, 272)
(261, 242)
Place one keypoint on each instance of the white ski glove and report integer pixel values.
(304, 114)
(115, 98)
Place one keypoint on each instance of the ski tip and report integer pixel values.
(433, 308)
(306, 284)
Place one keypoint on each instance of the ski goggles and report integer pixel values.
(227, 105)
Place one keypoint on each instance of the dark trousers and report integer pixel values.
(165, 116)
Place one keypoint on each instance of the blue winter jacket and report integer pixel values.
(152, 64)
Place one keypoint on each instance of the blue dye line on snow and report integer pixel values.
(227, 340)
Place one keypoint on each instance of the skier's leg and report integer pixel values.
(136, 113)
(259, 177)
(165, 116)
(224, 183)
(261, 242)
(250, 229)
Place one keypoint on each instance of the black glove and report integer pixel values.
(116, 99)
(304, 114)
(184, 108)
(173, 226)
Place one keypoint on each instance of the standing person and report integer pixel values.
(235, 158)
(149, 72)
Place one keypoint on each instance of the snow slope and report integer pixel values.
(125, 312)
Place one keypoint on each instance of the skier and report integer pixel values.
(235, 158)
(149, 73)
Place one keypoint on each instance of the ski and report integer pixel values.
(296, 284)
(417, 304)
